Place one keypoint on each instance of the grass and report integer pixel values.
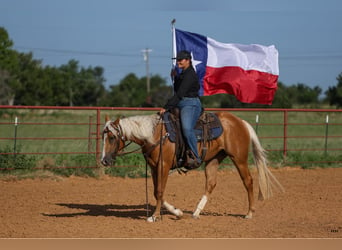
(67, 139)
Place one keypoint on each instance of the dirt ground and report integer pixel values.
(116, 207)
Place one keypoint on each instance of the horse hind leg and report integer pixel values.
(210, 184)
(248, 183)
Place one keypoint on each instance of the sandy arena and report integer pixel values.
(111, 207)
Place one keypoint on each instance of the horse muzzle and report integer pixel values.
(105, 162)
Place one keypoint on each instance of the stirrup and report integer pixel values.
(193, 164)
(191, 161)
(179, 170)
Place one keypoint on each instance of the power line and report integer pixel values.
(101, 53)
(82, 52)
(311, 57)
(98, 53)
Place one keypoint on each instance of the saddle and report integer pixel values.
(208, 127)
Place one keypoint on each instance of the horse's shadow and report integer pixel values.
(122, 211)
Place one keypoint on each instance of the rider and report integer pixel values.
(186, 87)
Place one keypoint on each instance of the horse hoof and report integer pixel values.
(178, 213)
(196, 217)
(152, 219)
(248, 216)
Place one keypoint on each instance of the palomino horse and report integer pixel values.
(148, 131)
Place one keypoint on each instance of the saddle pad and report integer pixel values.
(215, 127)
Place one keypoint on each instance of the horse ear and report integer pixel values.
(117, 121)
(107, 118)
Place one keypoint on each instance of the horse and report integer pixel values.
(149, 132)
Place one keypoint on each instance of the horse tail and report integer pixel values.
(267, 181)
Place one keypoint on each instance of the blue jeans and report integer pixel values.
(190, 110)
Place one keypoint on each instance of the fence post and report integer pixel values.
(15, 137)
(98, 143)
(89, 133)
(257, 123)
(326, 134)
(285, 136)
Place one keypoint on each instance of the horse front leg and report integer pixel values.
(172, 209)
(159, 177)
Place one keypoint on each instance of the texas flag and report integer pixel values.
(249, 72)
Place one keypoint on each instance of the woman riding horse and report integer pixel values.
(149, 132)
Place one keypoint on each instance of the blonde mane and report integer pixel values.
(140, 126)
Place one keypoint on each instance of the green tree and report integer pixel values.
(8, 68)
(6, 93)
(69, 72)
(80, 86)
(8, 56)
(58, 86)
(281, 97)
(302, 94)
(89, 86)
(160, 91)
(131, 92)
(34, 85)
(334, 94)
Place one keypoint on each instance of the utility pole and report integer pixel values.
(146, 59)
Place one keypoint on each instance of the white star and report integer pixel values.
(194, 62)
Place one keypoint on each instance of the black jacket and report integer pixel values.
(185, 85)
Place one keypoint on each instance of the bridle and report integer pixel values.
(119, 137)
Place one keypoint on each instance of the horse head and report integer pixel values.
(113, 141)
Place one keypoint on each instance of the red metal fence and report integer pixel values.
(23, 129)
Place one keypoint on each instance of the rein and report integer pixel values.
(129, 152)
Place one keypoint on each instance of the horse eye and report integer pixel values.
(111, 138)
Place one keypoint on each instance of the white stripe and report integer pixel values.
(248, 57)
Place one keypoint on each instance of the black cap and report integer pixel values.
(183, 54)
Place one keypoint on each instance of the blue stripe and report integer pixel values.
(197, 45)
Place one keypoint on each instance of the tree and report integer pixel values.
(281, 97)
(131, 92)
(58, 86)
(160, 91)
(80, 86)
(33, 87)
(8, 68)
(8, 57)
(7, 93)
(302, 94)
(334, 94)
(89, 86)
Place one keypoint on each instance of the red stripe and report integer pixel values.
(249, 86)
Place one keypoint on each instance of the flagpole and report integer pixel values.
(173, 61)
(173, 41)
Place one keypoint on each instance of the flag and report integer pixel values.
(249, 72)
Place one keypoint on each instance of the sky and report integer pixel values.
(112, 34)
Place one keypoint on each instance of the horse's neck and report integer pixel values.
(138, 129)
(133, 138)
(127, 131)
